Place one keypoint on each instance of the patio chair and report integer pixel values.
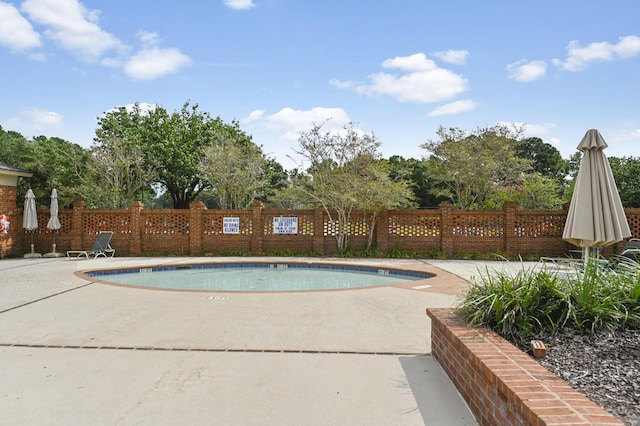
(100, 248)
(631, 250)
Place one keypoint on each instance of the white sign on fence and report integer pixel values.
(230, 225)
(285, 225)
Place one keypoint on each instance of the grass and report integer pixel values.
(532, 301)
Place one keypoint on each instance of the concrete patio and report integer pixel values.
(80, 352)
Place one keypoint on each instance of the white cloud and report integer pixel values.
(73, 26)
(35, 122)
(155, 62)
(457, 57)
(453, 108)
(343, 84)
(16, 32)
(289, 122)
(253, 116)
(628, 47)
(76, 29)
(239, 4)
(555, 142)
(152, 61)
(531, 130)
(148, 38)
(40, 118)
(413, 63)
(578, 57)
(625, 135)
(526, 71)
(541, 131)
(420, 80)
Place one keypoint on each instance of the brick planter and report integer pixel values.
(502, 384)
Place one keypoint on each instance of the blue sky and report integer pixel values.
(398, 69)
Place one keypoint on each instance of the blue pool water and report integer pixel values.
(257, 277)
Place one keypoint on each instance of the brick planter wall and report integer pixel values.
(502, 384)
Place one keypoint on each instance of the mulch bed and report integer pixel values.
(605, 368)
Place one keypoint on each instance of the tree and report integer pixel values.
(275, 178)
(415, 172)
(172, 144)
(535, 192)
(341, 174)
(13, 147)
(383, 193)
(116, 175)
(467, 167)
(545, 158)
(626, 171)
(54, 162)
(290, 196)
(235, 173)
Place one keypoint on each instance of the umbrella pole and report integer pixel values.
(53, 253)
(32, 241)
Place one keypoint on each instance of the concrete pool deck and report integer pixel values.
(79, 352)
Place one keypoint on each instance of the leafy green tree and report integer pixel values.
(290, 196)
(54, 162)
(626, 171)
(235, 173)
(467, 167)
(416, 172)
(275, 178)
(545, 158)
(534, 192)
(15, 151)
(383, 193)
(342, 174)
(13, 147)
(574, 163)
(173, 144)
(116, 175)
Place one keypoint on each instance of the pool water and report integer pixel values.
(257, 277)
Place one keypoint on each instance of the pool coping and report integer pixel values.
(435, 282)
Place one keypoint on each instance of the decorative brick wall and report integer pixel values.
(197, 231)
(501, 384)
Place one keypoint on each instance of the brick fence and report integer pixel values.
(198, 231)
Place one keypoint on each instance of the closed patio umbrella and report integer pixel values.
(596, 216)
(54, 222)
(30, 219)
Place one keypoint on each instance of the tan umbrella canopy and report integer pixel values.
(54, 222)
(596, 217)
(30, 219)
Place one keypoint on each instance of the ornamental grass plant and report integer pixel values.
(587, 298)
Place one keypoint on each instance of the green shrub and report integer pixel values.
(519, 306)
(400, 253)
(603, 297)
(288, 253)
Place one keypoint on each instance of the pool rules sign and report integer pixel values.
(230, 225)
(285, 225)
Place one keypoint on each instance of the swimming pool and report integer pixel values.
(257, 277)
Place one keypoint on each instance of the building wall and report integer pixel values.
(10, 243)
